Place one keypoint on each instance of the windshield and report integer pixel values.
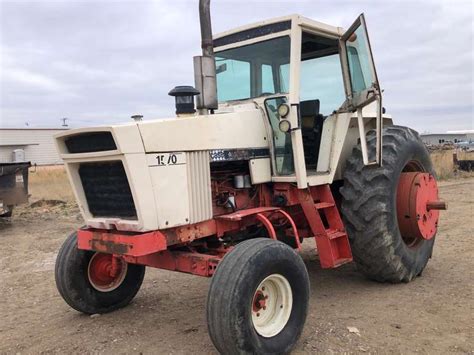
(250, 71)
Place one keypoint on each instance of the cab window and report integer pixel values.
(359, 61)
(268, 82)
(321, 74)
(253, 70)
(234, 81)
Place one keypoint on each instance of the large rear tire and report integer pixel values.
(258, 299)
(369, 207)
(83, 282)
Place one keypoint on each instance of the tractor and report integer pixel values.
(282, 139)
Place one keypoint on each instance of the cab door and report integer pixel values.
(361, 82)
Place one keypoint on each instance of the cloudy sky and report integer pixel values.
(98, 62)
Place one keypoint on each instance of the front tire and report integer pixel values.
(369, 207)
(82, 279)
(258, 299)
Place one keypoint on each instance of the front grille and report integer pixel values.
(107, 190)
(90, 142)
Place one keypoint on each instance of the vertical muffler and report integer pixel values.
(204, 65)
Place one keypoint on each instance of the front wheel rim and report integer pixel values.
(101, 273)
(271, 305)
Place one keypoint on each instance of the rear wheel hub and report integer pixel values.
(418, 207)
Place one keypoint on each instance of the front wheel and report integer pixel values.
(90, 283)
(258, 299)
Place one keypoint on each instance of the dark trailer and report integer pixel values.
(13, 186)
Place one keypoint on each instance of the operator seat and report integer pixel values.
(311, 130)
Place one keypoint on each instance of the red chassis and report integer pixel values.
(198, 248)
(152, 249)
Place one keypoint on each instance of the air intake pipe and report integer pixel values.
(205, 66)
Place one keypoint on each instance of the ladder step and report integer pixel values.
(333, 248)
(342, 261)
(323, 205)
(334, 234)
(331, 241)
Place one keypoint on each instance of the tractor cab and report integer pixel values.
(304, 75)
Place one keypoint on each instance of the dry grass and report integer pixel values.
(444, 163)
(50, 183)
(463, 155)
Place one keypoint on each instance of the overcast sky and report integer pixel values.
(99, 62)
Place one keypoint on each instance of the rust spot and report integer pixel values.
(171, 237)
(109, 247)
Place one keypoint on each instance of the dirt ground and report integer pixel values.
(433, 314)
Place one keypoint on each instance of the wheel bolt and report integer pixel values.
(281, 306)
(258, 314)
(263, 288)
(264, 308)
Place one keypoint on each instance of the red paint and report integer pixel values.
(418, 206)
(239, 215)
(105, 270)
(331, 240)
(302, 215)
(121, 243)
(294, 230)
(259, 301)
(190, 232)
(268, 225)
(222, 186)
(189, 262)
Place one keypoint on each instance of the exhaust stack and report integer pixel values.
(204, 66)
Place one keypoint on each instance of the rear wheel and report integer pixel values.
(384, 247)
(93, 282)
(258, 299)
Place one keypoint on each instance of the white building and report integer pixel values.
(37, 143)
(455, 137)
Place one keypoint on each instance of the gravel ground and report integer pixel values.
(433, 314)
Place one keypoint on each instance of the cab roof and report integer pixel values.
(278, 24)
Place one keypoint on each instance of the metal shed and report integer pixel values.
(38, 144)
(449, 137)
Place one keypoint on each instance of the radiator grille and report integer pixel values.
(199, 186)
(107, 190)
(90, 142)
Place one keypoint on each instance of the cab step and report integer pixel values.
(334, 234)
(331, 238)
(323, 205)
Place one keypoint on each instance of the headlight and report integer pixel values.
(284, 126)
(283, 110)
